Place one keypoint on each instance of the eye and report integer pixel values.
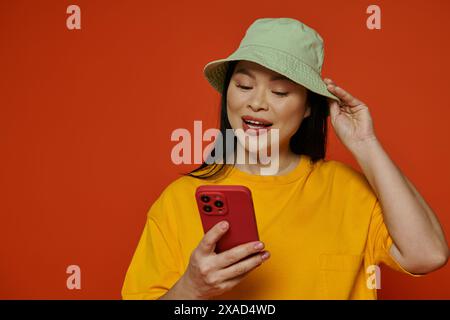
(243, 87)
(281, 94)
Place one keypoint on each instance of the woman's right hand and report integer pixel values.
(210, 274)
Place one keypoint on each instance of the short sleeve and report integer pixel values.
(379, 242)
(155, 266)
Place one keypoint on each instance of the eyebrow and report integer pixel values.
(251, 75)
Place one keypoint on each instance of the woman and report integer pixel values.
(323, 226)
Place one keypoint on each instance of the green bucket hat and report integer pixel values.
(283, 45)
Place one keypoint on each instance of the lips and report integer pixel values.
(256, 122)
(257, 125)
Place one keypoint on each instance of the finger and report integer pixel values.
(334, 108)
(347, 98)
(242, 267)
(209, 240)
(231, 283)
(238, 253)
(328, 80)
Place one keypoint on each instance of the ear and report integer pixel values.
(307, 112)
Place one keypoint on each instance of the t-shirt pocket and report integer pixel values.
(338, 273)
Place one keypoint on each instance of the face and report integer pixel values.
(256, 93)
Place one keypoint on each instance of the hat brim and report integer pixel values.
(273, 59)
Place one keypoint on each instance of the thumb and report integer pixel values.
(208, 243)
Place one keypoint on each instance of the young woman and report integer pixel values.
(324, 227)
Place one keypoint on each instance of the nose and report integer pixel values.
(258, 101)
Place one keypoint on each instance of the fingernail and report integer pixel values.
(224, 225)
(265, 255)
(259, 246)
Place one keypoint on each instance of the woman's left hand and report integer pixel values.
(351, 120)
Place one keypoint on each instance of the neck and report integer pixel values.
(288, 161)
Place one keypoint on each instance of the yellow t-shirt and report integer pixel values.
(322, 224)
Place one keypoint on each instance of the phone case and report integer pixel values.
(231, 203)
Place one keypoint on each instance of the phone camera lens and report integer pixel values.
(205, 198)
(218, 204)
(207, 208)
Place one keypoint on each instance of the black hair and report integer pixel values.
(310, 139)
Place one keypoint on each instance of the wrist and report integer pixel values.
(364, 148)
(186, 289)
(180, 291)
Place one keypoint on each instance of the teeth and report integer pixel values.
(255, 122)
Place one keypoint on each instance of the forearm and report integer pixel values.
(410, 221)
(433, 218)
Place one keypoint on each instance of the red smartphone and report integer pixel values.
(233, 204)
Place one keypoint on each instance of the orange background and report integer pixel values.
(86, 119)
